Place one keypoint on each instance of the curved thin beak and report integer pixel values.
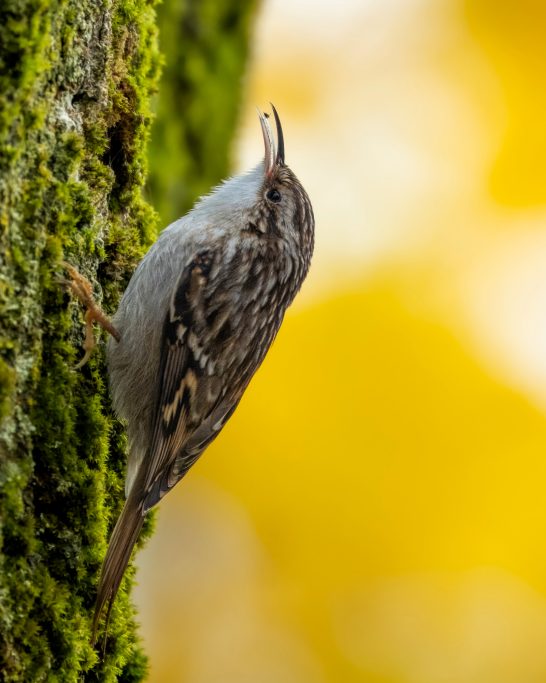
(280, 137)
(273, 155)
(269, 144)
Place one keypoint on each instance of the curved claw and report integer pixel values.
(83, 290)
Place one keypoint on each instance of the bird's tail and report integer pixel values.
(121, 544)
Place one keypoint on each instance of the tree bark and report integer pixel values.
(76, 79)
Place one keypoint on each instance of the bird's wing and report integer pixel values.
(191, 403)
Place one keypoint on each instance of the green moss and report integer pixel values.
(74, 122)
(76, 80)
(7, 388)
(206, 44)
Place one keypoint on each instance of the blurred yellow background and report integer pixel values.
(374, 511)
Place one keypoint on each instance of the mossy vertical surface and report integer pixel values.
(75, 83)
(206, 44)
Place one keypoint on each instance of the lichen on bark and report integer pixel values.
(76, 81)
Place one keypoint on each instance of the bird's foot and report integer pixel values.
(83, 290)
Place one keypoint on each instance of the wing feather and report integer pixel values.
(192, 405)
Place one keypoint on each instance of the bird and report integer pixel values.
(192, 327)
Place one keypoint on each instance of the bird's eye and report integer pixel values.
(274, 195)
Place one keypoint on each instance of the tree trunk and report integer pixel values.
(76, 78)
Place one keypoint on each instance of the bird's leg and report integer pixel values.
(83, 290)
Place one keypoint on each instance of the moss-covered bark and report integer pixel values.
(206, 43)
(76, 77)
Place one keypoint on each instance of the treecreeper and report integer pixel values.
(193, 326)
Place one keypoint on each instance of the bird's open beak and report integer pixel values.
(273, 156)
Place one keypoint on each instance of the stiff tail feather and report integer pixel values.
(121, 544)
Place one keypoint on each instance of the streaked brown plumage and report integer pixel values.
(195, 323)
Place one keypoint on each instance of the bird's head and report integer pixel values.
(281, 208)
(267, 202)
